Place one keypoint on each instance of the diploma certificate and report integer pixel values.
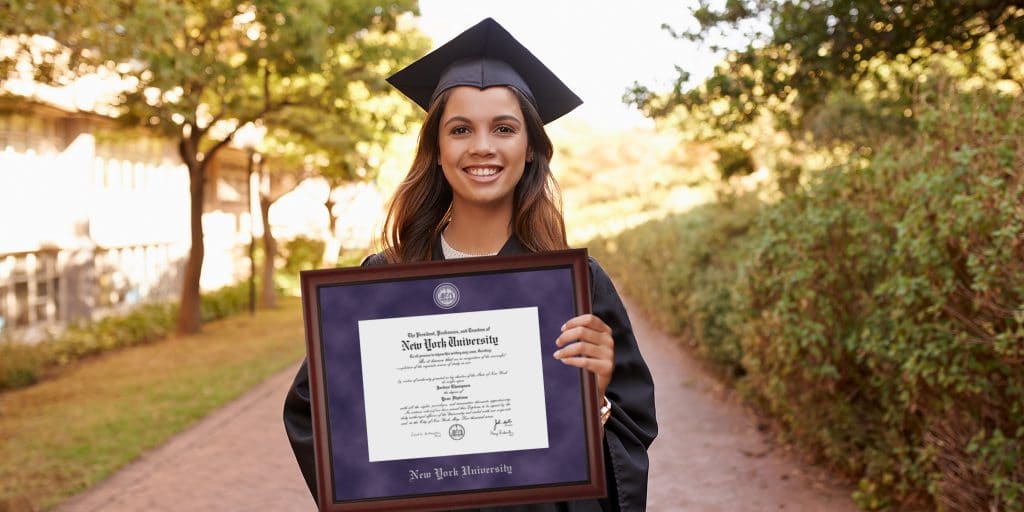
(453, 384)
(433, 385)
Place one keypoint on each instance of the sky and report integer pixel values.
(598, 48)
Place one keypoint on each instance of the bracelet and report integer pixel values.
(606, 411)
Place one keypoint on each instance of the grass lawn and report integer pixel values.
(74, 429)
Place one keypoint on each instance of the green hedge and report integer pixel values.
(879, 314)
(681, 271)
(25, 364)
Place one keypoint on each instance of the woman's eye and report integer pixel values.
(460, 130)
(505, 129)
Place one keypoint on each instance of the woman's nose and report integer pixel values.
(482, 145)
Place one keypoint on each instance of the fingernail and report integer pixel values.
(563, 326)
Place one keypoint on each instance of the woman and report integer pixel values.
(480, 185)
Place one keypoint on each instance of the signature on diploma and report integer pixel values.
(425, 434)
(502, 427)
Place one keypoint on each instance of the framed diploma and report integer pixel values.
(434, 386)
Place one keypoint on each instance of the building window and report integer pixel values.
(29, 289)
(122, 276)
(113, 285)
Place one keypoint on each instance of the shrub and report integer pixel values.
(682, 268)
(352, 258)
(885, 311)
(224, 302)
(879, 313)
(25, 364)
(19, 364)
(145, 323)
(302, 253)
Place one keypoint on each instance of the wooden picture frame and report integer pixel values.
(433, 384)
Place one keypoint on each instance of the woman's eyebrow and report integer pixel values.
(456, 118)
(503, 117)
(507, 117)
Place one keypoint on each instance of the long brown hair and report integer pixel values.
(422, 204)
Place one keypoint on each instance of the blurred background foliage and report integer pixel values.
(613, 180)
(822, 77)
(858, 273)
(877, 313)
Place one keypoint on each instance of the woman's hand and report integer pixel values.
(587, 343)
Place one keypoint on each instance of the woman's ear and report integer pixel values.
(529, 155)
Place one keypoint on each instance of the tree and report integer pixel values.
(338, 135)
(338, 150)
(802, 54)
(198, 70)
(344, 149)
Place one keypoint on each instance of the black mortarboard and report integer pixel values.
(484, 56)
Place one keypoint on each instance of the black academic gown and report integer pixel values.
(630, 430)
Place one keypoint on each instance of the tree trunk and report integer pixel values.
(189, 318)
(332, 246)
(268, 299)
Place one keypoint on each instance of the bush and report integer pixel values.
(878, 314)
(224, 302)
(143, 324)
(24, 364)
(353, 258)
(302, 253)
(895, 295)
(19, 364)
(681, 269)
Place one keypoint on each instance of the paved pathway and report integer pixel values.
(709, 456)
(236, 459)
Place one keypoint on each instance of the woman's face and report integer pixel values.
(483, 143)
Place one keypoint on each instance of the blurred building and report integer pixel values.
(94, 217)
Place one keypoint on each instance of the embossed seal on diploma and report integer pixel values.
(446, 295)
(457, 431)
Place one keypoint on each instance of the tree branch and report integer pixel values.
(218, 117)
(220, 144)
(266, 87)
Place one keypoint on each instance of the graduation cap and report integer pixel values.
(485, 55)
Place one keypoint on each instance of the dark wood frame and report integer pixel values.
(594, 487)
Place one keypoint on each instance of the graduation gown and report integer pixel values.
(627, 434)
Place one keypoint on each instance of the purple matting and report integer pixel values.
(343, 306)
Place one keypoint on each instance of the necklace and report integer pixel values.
(451, 253)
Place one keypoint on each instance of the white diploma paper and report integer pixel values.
(453, 384)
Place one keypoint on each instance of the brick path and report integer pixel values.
(709, 455)
(236, 459)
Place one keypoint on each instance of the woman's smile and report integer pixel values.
(483, 173)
